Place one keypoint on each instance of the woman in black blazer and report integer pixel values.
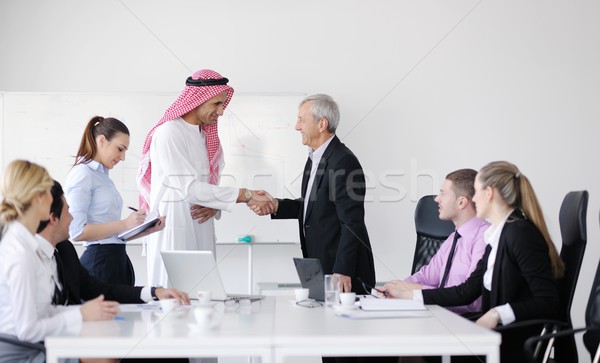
(517, 275)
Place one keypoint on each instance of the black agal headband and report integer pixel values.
(206, 82)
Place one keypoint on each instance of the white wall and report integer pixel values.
(425, 87)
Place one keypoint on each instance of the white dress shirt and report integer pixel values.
(27, 287)
(315, 156)
(47, 254)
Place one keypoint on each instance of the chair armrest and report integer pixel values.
(531, 343)
(15, 341)
(527, 323)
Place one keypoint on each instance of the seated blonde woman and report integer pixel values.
(27, 274)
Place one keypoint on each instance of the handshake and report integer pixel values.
(262, 203)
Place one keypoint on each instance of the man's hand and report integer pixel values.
(345, 283)
(202, 213)
(98, 309)
(399, 289)
(262, 203)
(182, 297)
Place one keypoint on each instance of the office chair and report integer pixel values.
(591, 337)
(431, 231)
(573, 228)
(14, 341)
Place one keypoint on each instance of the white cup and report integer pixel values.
(301, 294)
(207, 318)
(203, 297)
(348, 298)
(167, 305)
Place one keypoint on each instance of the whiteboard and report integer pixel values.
(262, 149)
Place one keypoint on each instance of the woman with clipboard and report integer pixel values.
(96, 204)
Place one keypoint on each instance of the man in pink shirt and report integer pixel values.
(455, 204)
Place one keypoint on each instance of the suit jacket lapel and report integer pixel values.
(495, 293)
(319, 174)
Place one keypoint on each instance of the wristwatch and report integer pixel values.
(248, 195)
(153, 293)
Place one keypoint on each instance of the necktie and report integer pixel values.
(450, 257)
(60, 297)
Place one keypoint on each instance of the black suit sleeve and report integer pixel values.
(462, 294)
(348, 186)
(527, 249)
(288, 209)
(83, 286)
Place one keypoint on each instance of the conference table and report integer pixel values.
(273, 329)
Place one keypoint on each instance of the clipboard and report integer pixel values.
(149, 222)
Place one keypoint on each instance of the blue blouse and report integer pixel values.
(93, 199)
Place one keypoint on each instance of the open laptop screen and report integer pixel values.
(310, 273)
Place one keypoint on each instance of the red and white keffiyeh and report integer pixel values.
(190, 98)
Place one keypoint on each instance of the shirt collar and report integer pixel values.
(94, 165)
(317, 154)
(492, 234)
(45, 246)
(471, 227)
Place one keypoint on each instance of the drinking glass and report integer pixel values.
(332, 290)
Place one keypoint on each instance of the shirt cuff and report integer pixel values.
(145, 295)
(507, 315)
(417, 295)
(72, 318)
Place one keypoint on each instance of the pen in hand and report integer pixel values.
(133, 209)
(368, 288)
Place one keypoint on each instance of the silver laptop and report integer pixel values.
(193, 271)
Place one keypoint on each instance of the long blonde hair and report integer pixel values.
(516, 190)
(23, 181)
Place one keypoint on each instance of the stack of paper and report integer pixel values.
(372, 304)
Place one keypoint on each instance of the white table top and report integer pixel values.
(273, 329)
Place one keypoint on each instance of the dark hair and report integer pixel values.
(108, 127)
(56, 206)
(463, 182)
(516, 191)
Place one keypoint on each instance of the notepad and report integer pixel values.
(373, 304)
(149, 222)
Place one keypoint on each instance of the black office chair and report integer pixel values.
(591, 337)
(431, 231)
(573, 228)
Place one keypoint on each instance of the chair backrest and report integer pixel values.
(431, 231)
(573, 229)
(591, 338)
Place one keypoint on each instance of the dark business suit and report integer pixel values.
(334, 231)
(83, 286)
(522, 277)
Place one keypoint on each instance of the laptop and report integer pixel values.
(311, 277)
(193, 271)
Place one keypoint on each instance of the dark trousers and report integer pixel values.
(109, 263)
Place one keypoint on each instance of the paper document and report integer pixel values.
(149, 222)
(362, 314)
(374, 304)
